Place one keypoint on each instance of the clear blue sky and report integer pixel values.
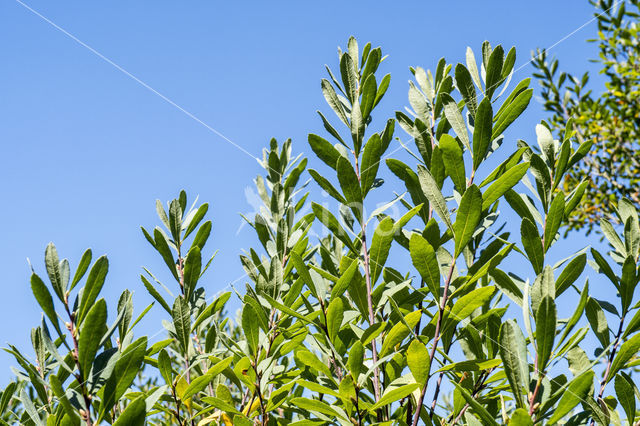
(87, 150)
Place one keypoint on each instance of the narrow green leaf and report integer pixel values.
(512, 112)
(464, 84)
(513, 352)
(349, 182)
(335, 315)
(90, 334)
(467, 218)
(554, 219)
(626, 397)
(433, 194)
(52, 263)
(425, 261)
(162, 246)
(182, 322)
(628, 350)
(393, 394)
(453, 162)
(95, 282)
(478, 408)
(45, 300)
(578, 390)
(380, 246)
(134, 414)
(370, 162)
(546, 321)
(482, 132)
(452, 112)
(399, 331)
(250, 327)
(532, 244)
(504, 183)
(570, 273)
(418, 361)
(192, 270)
(324, 150)
(85, 261)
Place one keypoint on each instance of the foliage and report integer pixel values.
(380, 320)
(610, 120)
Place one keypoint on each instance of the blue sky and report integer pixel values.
(87, 149)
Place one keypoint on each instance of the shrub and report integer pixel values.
(335, 330)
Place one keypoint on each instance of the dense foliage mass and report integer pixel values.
(611, 120)
(415, 319)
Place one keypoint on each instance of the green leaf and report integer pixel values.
(357, 127)
(411, 182)
(85, 261)
(578, 391)
(344, 281)
(628, 282)
(195, 220)
(570, 273)
(314, 405)
(465, 305)
(554, 219)
(453, 162)
(482, 132)
(494, 71)
(311, 360)
(332, 99)
(464, 84)
(164, 366)
(335, 315)
(628, 350)
(380, 246)
(324, 150)
(433, 194)
(154, 293)
(532, 244)
(520, 417)
(512, 112)
(327, 186)
(330, 221)
(134, 414)
(356, 359)
(472, 365)
(250, 327)
(626, 397)
(182, 322)
(94, 284)
(175, 219)
(95, 324)
(370, 162)
(504, 183)
(418, 361)
(546, 321)
(473, 67)
(45, 300)
(192, 270)
(162, 246)
(349, 77)
(598, 321)
(349, 182)
(399, 331)
(467, 218)
(393, 394)
(52, 263)
(513, 352)
(454, 117)
(425, 261)
(368, 91)
(478, 408)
